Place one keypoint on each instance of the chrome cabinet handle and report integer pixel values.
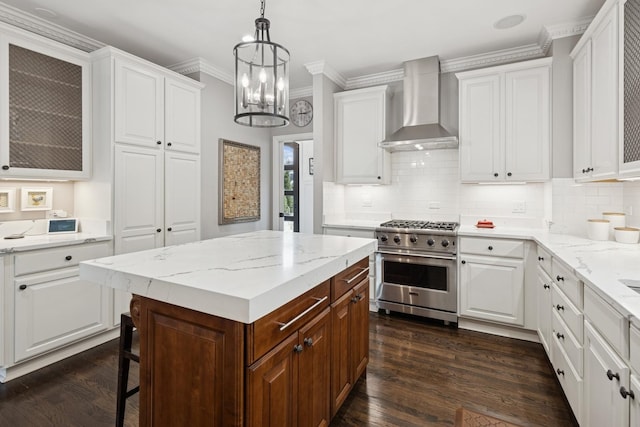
(297, 348)
(364, 270)
(308, 342)
(611, 375)
(284, 326)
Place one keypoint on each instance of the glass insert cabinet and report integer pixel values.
(44, 110)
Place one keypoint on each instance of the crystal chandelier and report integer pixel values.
(261, 79)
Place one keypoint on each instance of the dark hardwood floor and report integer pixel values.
(419, 373)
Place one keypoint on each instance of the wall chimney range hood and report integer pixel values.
(421, 129)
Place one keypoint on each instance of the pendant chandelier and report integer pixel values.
(261, 79)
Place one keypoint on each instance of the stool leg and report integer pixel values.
(126, 338)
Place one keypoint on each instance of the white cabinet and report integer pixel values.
(505, 114)
(543, 292)
(634, 401)
(492, 286)
(53, 307)
(45, 108)
(596, 86)
(360, 125)
(151, 109)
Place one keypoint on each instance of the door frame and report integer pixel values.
(276, 183)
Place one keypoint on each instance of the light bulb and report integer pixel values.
(245, 80)
(280, 84)
(263, 76)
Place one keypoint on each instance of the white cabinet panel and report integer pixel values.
(182, 198)
(139, 201)
(544, 308)
(492, 288)
(139, 104)
(582, 114)
(53, 309)
(634, 402)
(182, 117)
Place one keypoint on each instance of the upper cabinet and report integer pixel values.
(630, 146)
(596, 98)
(360, 125)
(45, 108)
(152, 109)
(505, 115)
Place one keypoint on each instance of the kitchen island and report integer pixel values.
(262, 328)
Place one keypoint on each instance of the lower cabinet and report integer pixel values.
(289, 386)
(543, 292)
(634, 401)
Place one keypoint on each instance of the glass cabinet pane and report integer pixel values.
(45, 111)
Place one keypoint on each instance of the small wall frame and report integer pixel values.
(239, 198)
(36, 199)
(7, 200)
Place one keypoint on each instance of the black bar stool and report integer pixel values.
(124, 359)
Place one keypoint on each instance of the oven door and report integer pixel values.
(419, 280)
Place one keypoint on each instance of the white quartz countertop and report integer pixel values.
(43, 241)
(607, 267)
(241, 277)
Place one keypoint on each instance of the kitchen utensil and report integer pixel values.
(598, 229)
(626, 234)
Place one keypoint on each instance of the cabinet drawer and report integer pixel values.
(266, 332)
(348, 278)
(496, 247)
(607, 321)
(568, 312)
(51, 259)
(634, 348)
(544, 259)
(569, 379)
(568, 342)
(567, 282)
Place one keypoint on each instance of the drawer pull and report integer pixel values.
(22, 287)
(284, 326)
(560, 372)
(560, 307)
(611, 375)
(68, 257)
(559, 335)
(363, 270)
(546, 286)
(559, 278)
(624, 393)
(540, 258)
(297, 348)
(308, 342)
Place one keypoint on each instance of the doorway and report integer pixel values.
(293, 183)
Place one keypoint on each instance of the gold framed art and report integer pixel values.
(239, 192)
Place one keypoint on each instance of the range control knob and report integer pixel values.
(396, 239)
(430, 242)
(384, 238)
(413, 238)
(445, 243)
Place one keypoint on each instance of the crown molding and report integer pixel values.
(34, 24)
(489, 59)
(302, 92)
(375, 79)
(549, 33)
(201, 65)
(321, 67)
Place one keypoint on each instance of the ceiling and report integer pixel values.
(353, 37)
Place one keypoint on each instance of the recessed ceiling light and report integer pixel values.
(508, 22)
(248, 38)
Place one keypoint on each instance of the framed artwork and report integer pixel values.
(239, 193)
(7, 200)
(36, 199)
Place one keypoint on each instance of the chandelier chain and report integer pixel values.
(262, 8)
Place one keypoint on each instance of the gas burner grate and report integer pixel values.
(420, 225)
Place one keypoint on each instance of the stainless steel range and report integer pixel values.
(419, 268)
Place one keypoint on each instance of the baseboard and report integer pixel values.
(497, 329)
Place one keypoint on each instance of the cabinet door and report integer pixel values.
(182, 198)
(604, 93)
(139, 104)
(527, 124)
(45, 111)
(54, 309)
(492, 289)
(634, 402)
(360, 125)
(314, 408)
(139, 201)
(272, 387)
(360, 329)
(582, 113)
(182, 116)
(604, 374)
(341, 377)
(481, 152)
(544, 308)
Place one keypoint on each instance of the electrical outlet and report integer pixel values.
(367, 202)
(434, 205)
(519, 207)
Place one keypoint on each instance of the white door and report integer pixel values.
(481, 153)
(582, 113)
(182, 117)
(492, 288)
(527, 124)
(182, 198)
(139, 105)
(139, 199)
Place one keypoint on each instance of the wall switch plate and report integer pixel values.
(519, 207)
(434, 205)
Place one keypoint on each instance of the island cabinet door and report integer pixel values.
(360, 329)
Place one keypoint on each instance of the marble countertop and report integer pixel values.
(241, 277)
(43, 241)
(349, 223)
(607, 267)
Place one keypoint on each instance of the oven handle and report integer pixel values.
(448, 258)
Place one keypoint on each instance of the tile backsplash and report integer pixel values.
(426, 185)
